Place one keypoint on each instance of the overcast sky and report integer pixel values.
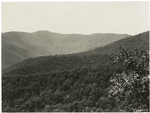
(76, 17)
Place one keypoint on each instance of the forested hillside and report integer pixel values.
(69, 83)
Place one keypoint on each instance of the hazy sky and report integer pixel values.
(76, 17)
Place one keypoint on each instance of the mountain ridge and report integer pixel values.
(92, 58)
(19, 46)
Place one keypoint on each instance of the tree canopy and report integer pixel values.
(133, 82)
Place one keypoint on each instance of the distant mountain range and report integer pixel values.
(18, 46)
(98, 56)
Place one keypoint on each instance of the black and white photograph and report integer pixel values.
(75, 56)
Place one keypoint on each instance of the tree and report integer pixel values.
(134, 81)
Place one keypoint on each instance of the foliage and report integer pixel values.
(134, 82)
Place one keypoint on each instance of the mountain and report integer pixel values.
(76, 82)
(140, 41)
(18, 46)
(94, 57)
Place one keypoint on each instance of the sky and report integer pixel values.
(76, 17)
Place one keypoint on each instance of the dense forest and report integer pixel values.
(80, 82)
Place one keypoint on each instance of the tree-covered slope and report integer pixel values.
(71, 90)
